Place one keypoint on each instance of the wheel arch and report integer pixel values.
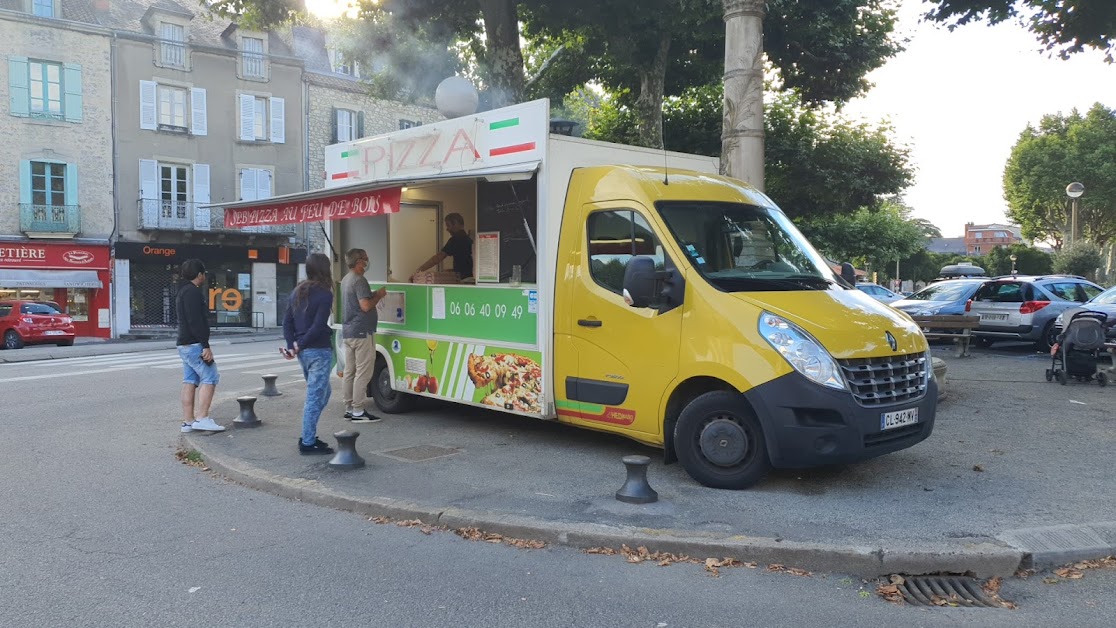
(680, 397)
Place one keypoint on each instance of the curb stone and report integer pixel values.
(981, 558)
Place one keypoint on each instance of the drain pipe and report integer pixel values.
(114, 330)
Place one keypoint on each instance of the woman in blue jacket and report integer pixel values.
(310, 339)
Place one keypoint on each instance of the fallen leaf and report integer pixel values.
(897, 580)
(1069, 574)
(938, 600)
(1023, 574)
(711, 566)
(607, 551)
(992, 587)
(890, 592)
(978, 468)
(1008, 604)
(1049, 580)
(801, 573)
(380, 519)
(776, 567)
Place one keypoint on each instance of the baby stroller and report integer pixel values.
(1079, 350)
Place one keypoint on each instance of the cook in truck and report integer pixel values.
(459, 247)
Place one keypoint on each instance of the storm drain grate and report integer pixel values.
(420, 453)
(946, 591)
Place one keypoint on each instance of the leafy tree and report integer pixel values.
(1066, 27)
(1045, 159)
(1029, 261)
(865, 237)
(1080, 258)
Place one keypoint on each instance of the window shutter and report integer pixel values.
(333, 119)
(71, 183)
(148, 113)
(71, 85)
(199, 120)
(278, 121)
(19, 88)
(201, 197)
(248, 184)
(263, 184)
(360, 124)
(149, 191)
(25, 182)
(247, 118)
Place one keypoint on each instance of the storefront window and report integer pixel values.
(229, 290)
(77, 304)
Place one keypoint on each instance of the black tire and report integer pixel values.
(1048, 339)
(1049, 375)
(388, 399)
(66, 343)
(1102, 379)
(720, 443)
(1062, 378)
(12, 340)
(983, 342)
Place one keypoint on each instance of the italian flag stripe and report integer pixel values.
(348, 153)
(508, 150)
(503, 124)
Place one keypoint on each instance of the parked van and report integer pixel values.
(617, 289)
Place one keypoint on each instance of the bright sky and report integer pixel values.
(960, 100)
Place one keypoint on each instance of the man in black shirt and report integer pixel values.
(459, 247)
(199, 370)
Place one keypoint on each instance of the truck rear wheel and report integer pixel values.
(719, 442)
(387, 398)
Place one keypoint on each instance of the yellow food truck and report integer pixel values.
(618, 289)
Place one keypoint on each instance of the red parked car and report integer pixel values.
(34, 322)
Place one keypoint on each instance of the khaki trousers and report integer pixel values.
(360, 357)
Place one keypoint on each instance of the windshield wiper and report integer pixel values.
(814, 279)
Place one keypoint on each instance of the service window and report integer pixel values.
(614, 238)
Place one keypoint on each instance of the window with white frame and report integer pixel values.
(42, 8)
(262, 118)
(255, 183)
(253, 49)
(346, 125)
(174, 199)
(173, 44)
(172, 106)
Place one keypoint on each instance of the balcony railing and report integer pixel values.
(168, 215)
(49, 218)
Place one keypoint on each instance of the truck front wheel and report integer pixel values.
(719, 442)
(386, 397)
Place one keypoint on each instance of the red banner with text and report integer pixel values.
(336, 207)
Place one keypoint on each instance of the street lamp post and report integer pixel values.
(1074, 191)
(1013, 258)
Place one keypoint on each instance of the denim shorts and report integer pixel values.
(194, 371)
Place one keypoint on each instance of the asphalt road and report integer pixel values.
(102, 526)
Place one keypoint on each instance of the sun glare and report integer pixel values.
(328, 9)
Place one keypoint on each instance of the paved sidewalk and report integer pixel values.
(1017, 472)
(85, 347)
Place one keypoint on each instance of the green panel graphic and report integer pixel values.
(507, 379)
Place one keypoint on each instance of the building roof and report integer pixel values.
(947, 245)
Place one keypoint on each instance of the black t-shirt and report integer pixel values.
(460, 248)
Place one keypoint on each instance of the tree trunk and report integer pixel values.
(742, 135)
(503, 54)
(649, 104)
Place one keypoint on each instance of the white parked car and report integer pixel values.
(878, 292)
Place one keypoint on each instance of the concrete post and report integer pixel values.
(636, 489)
(742, 133)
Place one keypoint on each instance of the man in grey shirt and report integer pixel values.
(358, 315)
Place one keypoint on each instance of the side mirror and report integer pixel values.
(641, 282)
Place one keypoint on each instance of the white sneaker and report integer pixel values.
(206, 425)
(187, 427)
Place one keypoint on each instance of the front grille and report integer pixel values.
(889, 380)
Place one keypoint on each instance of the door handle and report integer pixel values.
(585, 322)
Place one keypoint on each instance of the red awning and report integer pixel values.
(288, 211)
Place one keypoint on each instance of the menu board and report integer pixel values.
(511, 209)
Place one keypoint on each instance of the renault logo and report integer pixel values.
(891, 342)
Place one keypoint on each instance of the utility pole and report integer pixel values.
(742, 133)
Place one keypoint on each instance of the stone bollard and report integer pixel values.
(636, 490)
(940, 369)
(269, 386)
(247, 416)
(346, 456)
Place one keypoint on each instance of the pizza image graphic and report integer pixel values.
(515, 381)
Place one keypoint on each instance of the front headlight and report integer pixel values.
(801, 351)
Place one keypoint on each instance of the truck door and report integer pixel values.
(626, 357)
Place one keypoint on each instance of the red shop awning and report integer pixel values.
(316, 206)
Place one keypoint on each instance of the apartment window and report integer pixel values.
(173, 46)
(262, 118)
(346, 125)
(253, 48)
(48, 183)
(172, 107)
(255, 184)
(173, 194)
(42, 8)
(408, 124)
(46, 88)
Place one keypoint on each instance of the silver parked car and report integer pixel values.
(1105, 303)
(878, 292)
(1025, 308)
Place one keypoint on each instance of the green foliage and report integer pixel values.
(1044, 160)
(1080, 258)
(259, 14)
(865, 237)
(1028, 261)
(1066, 27)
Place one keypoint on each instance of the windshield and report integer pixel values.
(740, 248)
(1107, 297)
(943, 292)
